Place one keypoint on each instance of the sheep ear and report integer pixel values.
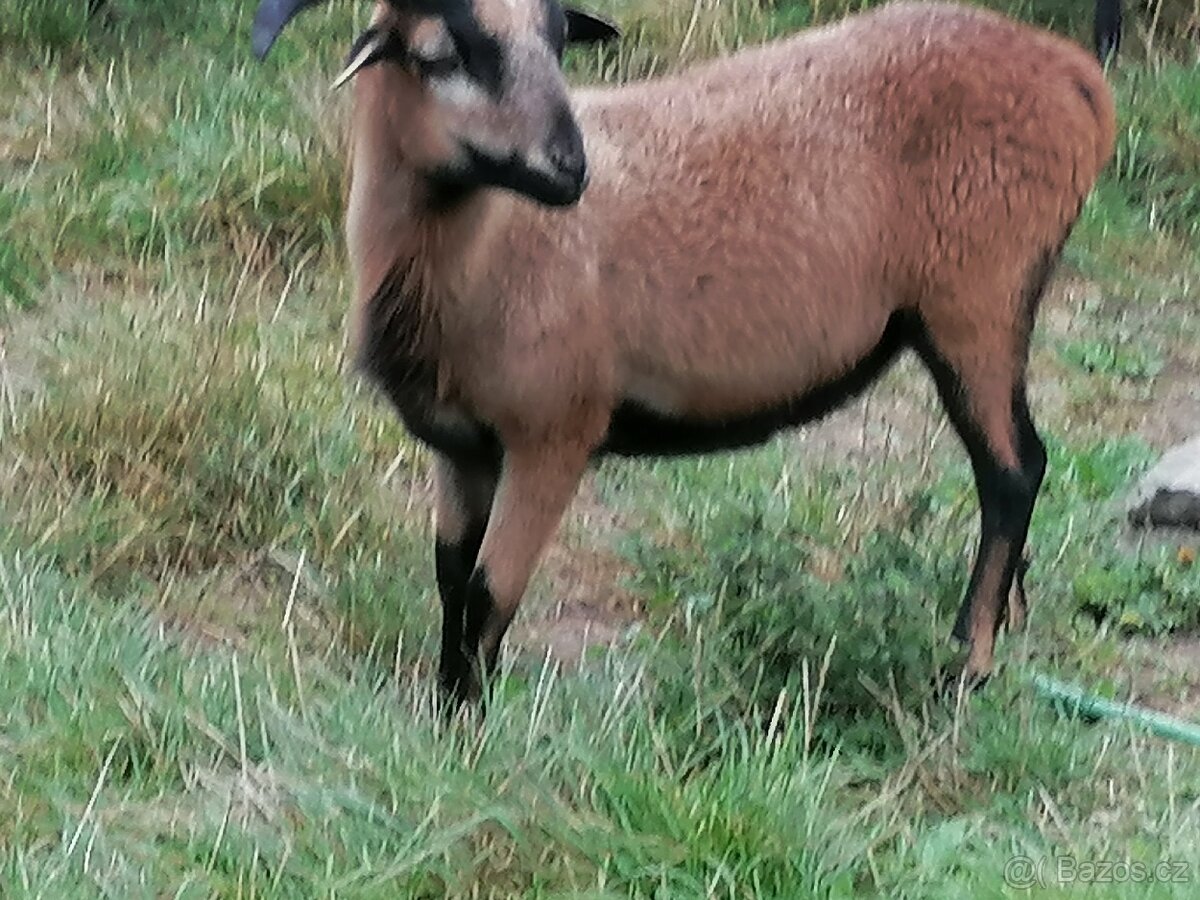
(270, 19)
(372, 46)
(584, 28)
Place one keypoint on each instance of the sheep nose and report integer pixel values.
(572, 166)
(565, 150)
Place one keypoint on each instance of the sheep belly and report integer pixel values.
(638, 430)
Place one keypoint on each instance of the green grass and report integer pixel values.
(217, 616)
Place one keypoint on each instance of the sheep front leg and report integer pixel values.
(463, 498)
(537, 482)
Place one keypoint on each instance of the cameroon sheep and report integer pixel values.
(742, 247)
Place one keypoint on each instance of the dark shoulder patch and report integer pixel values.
(395, 342)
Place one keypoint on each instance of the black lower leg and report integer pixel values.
(1006, 501)
(477, 610)
(454, 563)
(1032, 454)
(998, 516)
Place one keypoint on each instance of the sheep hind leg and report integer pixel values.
(537, 484)
(984, 395)
(1011, 493)
(463, 498)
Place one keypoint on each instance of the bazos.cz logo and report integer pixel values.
(1027, 872)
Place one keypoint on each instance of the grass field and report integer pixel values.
(217, 614)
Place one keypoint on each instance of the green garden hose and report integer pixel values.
(1080, 701)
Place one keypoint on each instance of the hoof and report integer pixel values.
(949, 681)
(458, 686)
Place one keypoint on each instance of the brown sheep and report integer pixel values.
(760, 237)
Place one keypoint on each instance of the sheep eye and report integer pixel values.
(438, 67)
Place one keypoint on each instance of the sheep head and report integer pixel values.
(478, 85)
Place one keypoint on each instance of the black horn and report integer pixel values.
(271, 18)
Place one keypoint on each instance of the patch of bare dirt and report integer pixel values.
(1163, 675)
(1173, 414)
(28, 339)
(1166, 413)
(231, 605)
(18, 373)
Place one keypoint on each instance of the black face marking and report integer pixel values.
(636, 431)
(426, 7)
(481, 53)
(513, 174)
(446, 191)
(453, 185)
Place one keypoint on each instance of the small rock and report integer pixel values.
(1169, 494)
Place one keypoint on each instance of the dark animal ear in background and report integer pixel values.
(584, 28)
(1107, 29)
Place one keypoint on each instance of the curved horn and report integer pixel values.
(270, 19)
